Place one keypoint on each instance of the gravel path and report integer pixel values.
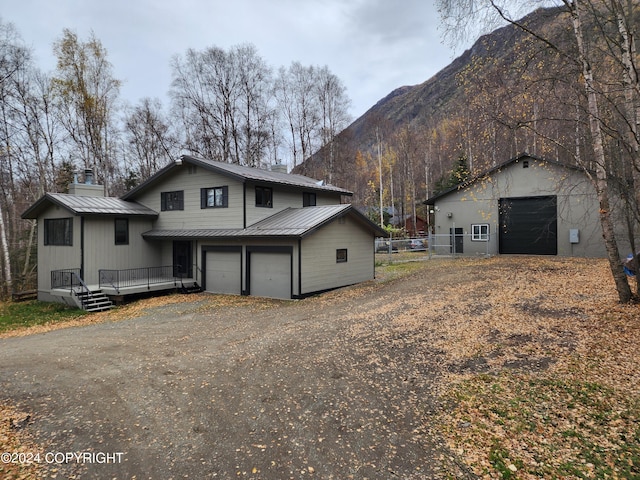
(257, 389)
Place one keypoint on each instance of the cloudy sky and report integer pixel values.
(373, 46)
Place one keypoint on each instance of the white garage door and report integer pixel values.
(270, 275)
(224, 273)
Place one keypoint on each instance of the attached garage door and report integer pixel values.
(529, 226)
(270, 274)
(224, 272)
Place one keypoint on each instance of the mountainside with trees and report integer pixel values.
(483, 107)
(560, 83)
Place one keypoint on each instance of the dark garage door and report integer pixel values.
(529, 226)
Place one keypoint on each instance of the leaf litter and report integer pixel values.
(507, 367)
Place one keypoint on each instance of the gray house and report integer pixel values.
(526, 205)
(222, 227)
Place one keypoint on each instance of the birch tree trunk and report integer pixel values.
(5, 255)
(601, 183)
(631, 106)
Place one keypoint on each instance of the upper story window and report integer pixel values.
(264, 197)
(172, 200)
(121, 226)
(58, 231)
(308, 199)
(214, 197)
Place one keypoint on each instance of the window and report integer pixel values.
(58, 231)
(121, 231)
(172, 200)
(480, 232)
(308, 199)
(341, 255)
(264, 196)
(215, 197)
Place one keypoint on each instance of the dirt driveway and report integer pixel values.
(233, 387)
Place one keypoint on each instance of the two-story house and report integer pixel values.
(228, 228)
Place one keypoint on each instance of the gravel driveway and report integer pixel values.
(249, 388)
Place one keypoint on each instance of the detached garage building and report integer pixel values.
(527, 205)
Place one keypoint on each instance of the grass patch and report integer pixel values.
(26, 314)
(529, 427)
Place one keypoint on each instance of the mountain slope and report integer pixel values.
(475, 97)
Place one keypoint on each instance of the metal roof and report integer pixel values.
(242, 173)
(88, 205)
(291, 222)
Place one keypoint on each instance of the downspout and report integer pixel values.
(299, 267)
(244, 204)
(374, 255)
(82, 248)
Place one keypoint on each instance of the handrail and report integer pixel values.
(84, 289)
(106, 277)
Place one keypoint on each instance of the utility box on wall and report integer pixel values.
(574, 235)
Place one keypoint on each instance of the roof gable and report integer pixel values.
(497, 169)
(243, 174)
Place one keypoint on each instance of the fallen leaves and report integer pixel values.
(15, 442)
(578, 415)
(512, 367)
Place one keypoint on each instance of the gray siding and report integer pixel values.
(53, 257)
(478, 204)
(193, 216)
(321, 271)
(101, 252)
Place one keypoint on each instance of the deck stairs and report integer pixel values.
(195, 288)
(93, 300)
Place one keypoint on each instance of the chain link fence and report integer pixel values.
(443, 245)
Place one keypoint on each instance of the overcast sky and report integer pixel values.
(373, 46)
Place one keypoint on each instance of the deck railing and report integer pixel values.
(70, 279)
(137, 277)
(66, 278)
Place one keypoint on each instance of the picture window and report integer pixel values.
(58, 231)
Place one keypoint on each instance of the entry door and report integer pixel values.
(457, 240)
(182, 259)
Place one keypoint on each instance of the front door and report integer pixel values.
(457, 240)
(182, 259)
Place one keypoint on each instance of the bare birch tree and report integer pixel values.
(150, 140)
(87, 93)
(457, 14)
